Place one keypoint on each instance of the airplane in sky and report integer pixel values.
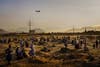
(37, 10)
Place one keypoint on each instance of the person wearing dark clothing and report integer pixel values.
(32, 52)
(21, 43)
(97, 43)
(26, 44)
(18, 53)
(77, 44)
(65, 41)
(9, 40)
(80, 43)
(23, 53)
(73, 42)
(8, 52)
(93, 46)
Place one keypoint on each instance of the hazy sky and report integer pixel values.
(55, 15)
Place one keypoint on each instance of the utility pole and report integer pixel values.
(30, 26)
(73, 30)
(85, 29)
(95, 29)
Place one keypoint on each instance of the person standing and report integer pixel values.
(31, 52)
(8, 52)
(97, 43)
(21, 43)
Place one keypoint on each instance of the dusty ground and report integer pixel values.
(54, 58)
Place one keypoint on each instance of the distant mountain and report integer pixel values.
(2, 31)
(97, 27)
(38, 30)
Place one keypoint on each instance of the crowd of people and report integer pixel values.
(29, 42)
(19, 51)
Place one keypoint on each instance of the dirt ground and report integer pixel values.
(53, 58)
